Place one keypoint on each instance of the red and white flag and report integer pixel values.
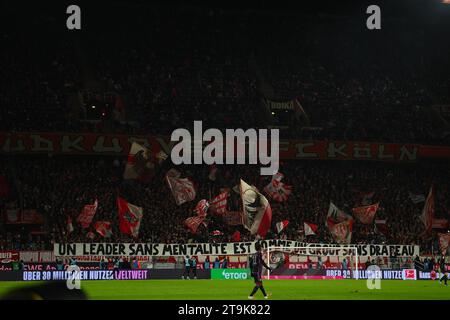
(218, 204)
(103, 228)
(217, 233)
(257, 213)
(69, 225)
(141, 163)
(282, 225)
(342, 231)
(366, 214)
(335, 215)
(428, 212)
(183, 189)
(192, 223)
(201, 208)
(310, 229)
(130, 217)
(87, 214)
(276, 189)
(444, 242)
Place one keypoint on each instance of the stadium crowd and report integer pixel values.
(60, 187)
(169, 74)
(177, 69)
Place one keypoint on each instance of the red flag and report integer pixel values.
(282, 225)
(103, 228)
(201, 208)
(444, 242)
(69, 225)
(182, 188)
(218, 204)
(236, 237)
(4, 187)
(130, 217)
(192, 223)
(276, 189)
(257, 213)
(428, 212)
(366, 214)
(310, 228)
(87, 214)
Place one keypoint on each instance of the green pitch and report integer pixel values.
(239, 289)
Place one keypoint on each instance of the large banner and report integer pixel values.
(8, 256)
(134, 274)
(59, 143)
(234, 248)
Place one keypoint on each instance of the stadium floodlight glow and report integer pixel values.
(93, 107)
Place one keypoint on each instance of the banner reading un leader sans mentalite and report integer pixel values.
(235, 248)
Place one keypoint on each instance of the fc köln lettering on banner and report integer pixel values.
(183, 189)
(257, 213)
(366, 214)
(107, 144)
(87, 214)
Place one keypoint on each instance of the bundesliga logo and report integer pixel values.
(230, 149)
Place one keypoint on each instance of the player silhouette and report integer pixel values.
(256, 265)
